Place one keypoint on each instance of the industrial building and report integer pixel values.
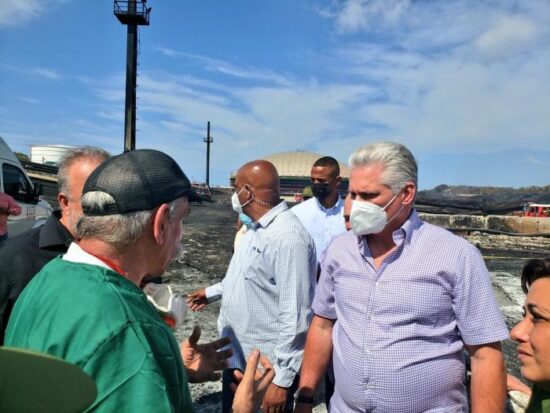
(48, 154)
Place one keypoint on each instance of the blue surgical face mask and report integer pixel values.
(246, 220)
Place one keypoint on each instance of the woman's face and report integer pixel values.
(533, 334)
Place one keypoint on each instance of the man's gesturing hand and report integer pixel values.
(197, 300)
(252, 385)
(203, 361)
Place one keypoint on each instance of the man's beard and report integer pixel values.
(179, 253)
(72, 220)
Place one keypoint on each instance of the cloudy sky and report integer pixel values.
(464, 84)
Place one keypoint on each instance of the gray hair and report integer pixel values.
(117, 230)
(399, 164)
(71, 157)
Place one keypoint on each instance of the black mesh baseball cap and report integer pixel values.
(138, 180)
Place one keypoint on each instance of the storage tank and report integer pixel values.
(48, 154)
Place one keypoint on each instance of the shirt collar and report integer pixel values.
(338, 205)
(266, 219)
(76, 254)
(53, 233)
(411, 224)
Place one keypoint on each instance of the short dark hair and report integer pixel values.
(328, 161)
(533, 270)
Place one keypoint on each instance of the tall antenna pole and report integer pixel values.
(208, 141)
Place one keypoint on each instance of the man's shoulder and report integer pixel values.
(288, 228)
(19, 257)
(305, 206)
(69, 310)
(343, 242)
(287, 221)
(20, 242)
(430, 234)
(72, 289)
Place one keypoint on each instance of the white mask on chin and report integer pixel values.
(368, 218)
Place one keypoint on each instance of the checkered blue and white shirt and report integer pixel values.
(267, 293)
(400, 329)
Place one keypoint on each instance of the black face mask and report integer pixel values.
(320, 190)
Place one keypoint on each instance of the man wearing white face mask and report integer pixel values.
(397, 301)
(269, 285)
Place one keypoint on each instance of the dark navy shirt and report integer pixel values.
(23, 256)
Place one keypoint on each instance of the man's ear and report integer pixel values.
(63, 201)
(160, 223)
(409, 191)
(338, 181)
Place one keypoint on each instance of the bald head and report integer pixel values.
(261, 175)
(259, 182)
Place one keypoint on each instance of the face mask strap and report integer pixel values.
(247, 202)
(397, 213)
(391, 200)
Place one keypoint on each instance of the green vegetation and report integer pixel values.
(22, 157)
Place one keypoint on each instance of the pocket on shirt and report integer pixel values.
(255, 269)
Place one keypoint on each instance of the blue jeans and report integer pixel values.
(3, 237)
(227, 394)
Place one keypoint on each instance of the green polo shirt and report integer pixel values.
(540, 401)
(95, 318)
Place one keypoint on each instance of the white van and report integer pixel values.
(15, 182)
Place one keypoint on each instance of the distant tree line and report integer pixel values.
(22, 157)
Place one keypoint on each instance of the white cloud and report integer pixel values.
(220, 66)
(16, 12)
(483, 87)
(25, 99)
(46, 73)
(352, 16)
(510, 35)
(535, 161)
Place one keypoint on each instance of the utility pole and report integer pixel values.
(132, 13)
(131, 83)
(208, 141)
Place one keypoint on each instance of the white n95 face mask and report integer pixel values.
(236, 204)
(368, 218)
(171, 307)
